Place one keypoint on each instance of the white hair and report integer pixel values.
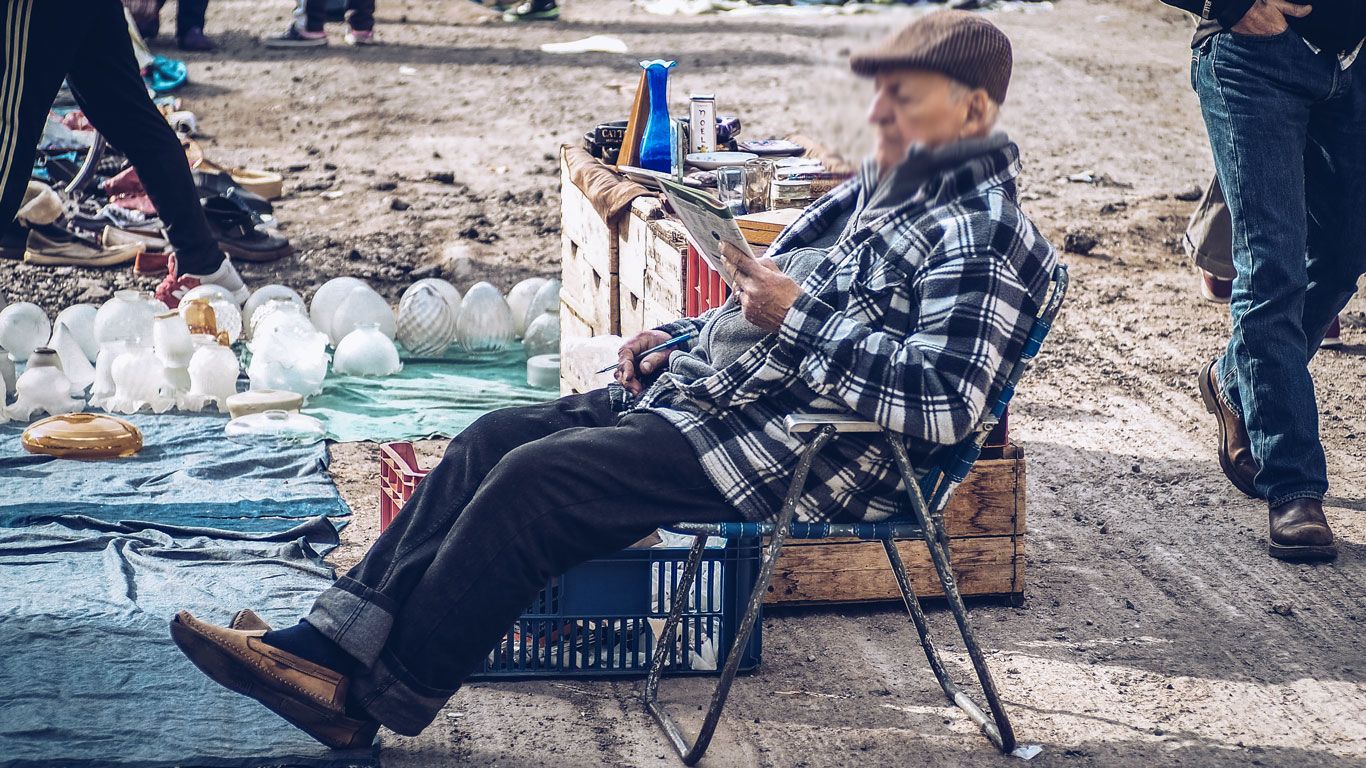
(962, 91)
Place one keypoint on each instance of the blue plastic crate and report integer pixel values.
(600, 618)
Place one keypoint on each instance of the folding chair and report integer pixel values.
(926, 523)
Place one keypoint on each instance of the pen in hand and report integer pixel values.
(679, 339)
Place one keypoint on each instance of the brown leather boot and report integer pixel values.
(1299, 531)
(1235, 447)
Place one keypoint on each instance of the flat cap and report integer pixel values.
(958, 44)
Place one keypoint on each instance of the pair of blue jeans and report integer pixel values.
(1288, 129)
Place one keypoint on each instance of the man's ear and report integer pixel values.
(979, 113)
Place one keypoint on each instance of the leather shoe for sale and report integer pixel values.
(240, 232)
(1235, 447)
(311, 697)
(1299, 531)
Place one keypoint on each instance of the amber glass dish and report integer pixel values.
(83, 436)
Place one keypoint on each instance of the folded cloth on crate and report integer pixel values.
(187, 473)
(428, 398)
(610, 194)
(91, 676)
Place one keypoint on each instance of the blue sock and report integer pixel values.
(305, 641)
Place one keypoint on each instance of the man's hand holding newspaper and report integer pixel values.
(764, 292)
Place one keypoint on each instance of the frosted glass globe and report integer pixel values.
(366, 351)
(543, 336)
(74, 365)
(43, 388)
(448, 292)
(361, 306)
(519, 298)
(485, 322)
(326, 300)
(213, 377)
(80, 320)
(23, 328)
(126, 317)
(209, 291)
(275, 314)
(426, 324)
(138, 378)
(547, 299)
(265, 294)
(288, 356)
(171, 340)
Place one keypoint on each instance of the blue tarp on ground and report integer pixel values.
(187, 474)
(429, 398)
(88, 673)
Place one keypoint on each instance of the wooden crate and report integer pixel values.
(651, 253)
(986, 525)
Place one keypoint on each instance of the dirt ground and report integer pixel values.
(1156, 630)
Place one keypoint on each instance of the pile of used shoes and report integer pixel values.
(97, 214)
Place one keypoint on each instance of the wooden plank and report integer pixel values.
(844, 572)
(651, 254)
(580, 222)
(587, 290)
(990, 501)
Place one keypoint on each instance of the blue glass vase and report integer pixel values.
(656, 146)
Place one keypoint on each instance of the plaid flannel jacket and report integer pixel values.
(911, 322)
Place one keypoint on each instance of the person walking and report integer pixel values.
(1209, 243)
(307, 29)
(189, 22)
(1282, 92)
(86, 42)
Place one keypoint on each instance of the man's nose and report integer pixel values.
(879, 111)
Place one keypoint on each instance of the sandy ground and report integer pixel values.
(1156, 630)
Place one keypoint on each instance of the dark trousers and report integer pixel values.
(1288, 129)
(522, 495)
(361, 14)
(86, 42)
(189, 14)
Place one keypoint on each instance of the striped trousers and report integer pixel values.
(86, 42)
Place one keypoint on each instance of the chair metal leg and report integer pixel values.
(997, 726)
(692, 752)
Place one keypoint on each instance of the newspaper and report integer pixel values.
(708, 225)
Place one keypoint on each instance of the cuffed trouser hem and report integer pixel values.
(391, 695)
(1294, 496)
(1220, 265)
(354, 617)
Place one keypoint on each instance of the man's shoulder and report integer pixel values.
(986, 219)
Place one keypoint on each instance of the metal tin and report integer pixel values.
(703, 122)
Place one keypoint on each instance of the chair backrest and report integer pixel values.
(936, 485)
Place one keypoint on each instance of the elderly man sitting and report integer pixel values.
(903, 296)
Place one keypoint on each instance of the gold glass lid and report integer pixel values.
(76, 435)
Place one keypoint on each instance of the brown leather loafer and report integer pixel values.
(1235, 447)
(247, 620)
(309, 696)
(1299, 531)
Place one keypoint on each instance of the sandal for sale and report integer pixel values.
(266, 184)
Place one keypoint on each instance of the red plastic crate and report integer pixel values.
(705, 289)
(398, 478)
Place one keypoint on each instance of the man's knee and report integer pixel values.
(505, 428)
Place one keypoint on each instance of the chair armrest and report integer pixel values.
(799, 423)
